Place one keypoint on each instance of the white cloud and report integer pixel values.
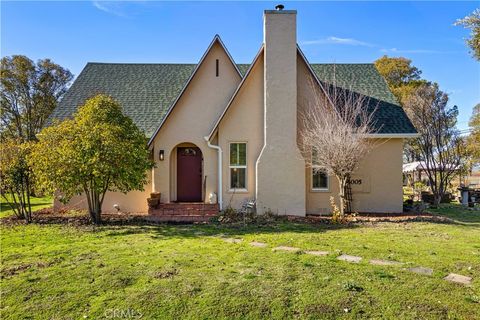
(110, 7)
(338, 40)
(354, 42)
(400, 51)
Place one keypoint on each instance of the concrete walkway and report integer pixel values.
(452, 277)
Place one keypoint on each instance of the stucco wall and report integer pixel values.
(280, 178)
(192, 119)
(381, 182)
(380, 172)
(243, 122)
(196, 112)
(134, 201)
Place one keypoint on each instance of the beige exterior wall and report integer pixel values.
(132, 202)
(243, 122)
(280, 168)
(189, 122)
(266, 114)
(192, 119)
(380, 172)
(380, 190)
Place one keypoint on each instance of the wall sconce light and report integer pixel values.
(161, 155)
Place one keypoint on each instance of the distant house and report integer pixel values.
(472, 180)
(417, 172)
(223, 133)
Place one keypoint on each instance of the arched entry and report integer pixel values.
(189, 173)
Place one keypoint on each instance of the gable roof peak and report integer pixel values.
(216, 39)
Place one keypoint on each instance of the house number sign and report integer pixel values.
(360, 183)
(356, 182)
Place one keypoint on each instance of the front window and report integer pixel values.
(320, 180)
(238, 165)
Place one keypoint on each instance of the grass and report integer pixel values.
(36, 202)
(190, 272)
(458, 213)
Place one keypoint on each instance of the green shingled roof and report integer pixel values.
(362, 78)
(147, 91)
(243, 68)
(365, 79)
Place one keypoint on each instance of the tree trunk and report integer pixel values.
(98, 212)
(94, 206)
(438, 193)
(95, 215)
(28, 212)
(437, 199)
(342, 182)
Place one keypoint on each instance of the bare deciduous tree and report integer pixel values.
(440, 146)
(333, 134)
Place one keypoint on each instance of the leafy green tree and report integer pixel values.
(403, 80)
(473, 140)
(397, 71)
(29, 92)
(472, 22)
(16, 181)
(402, 77)
(99, 150)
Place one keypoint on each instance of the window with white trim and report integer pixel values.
(320, 179)
(238, 165)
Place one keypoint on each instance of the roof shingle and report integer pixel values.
(366, 80)
(147, 91)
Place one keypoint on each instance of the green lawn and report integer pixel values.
(173, 271)
(37, 204)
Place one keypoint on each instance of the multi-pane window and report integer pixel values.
(319, 179)
(319, 175)
(238, 165)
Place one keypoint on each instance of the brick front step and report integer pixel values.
(178, 218)
(183, 212)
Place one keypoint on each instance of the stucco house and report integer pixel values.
(222, 133)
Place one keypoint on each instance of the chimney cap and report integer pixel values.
(279, 7)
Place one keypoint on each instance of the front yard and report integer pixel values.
(68, 271)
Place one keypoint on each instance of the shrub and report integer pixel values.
(97, 151)
(16, 178)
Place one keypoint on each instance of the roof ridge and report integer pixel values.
(343, 63)
(140, 63)
(151, 63)
(192, 63)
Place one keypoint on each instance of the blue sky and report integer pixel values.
(73, 33)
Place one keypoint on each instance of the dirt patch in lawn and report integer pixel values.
(376, 217)
(75, 218)
(165, 274)
(12, 271)
(81, 218)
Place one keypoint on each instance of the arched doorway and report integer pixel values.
(189, 173)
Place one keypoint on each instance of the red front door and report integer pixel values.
(189, 174)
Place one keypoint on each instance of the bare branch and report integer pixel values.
(334, 128)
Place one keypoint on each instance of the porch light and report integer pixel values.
(161, 155)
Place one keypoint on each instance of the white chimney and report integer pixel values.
(280, 168)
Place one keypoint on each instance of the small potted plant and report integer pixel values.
(154, 200)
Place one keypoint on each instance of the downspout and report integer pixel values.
(219, 152)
